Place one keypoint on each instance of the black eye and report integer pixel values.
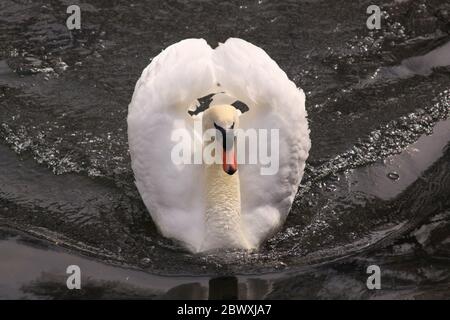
(222, 130)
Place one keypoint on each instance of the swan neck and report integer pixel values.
(223, 210)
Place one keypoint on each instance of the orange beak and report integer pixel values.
(229, 163)
(229, 158)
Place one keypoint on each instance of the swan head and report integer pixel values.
(224, 119)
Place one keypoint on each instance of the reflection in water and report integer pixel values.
(420, 65)
(32, 268)
(191, 291)
(52, 286)
(223, 288)
(403, 169)
(405, 274)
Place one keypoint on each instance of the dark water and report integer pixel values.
(376, 188)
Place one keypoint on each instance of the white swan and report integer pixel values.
(209, 206)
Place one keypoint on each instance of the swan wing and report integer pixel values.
(158, 111)
(246, 72)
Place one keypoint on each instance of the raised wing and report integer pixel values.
(249, 74)
(167, 87)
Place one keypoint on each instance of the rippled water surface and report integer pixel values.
(376, 187)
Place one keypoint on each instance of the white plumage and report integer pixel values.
(174, 80)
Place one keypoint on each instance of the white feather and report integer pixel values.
(171, 84)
